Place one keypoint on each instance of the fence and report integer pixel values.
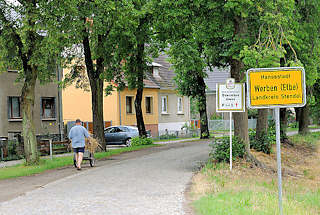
(87, 125)
(11, 150)
(172, 134)
(222, 125)
(14, 149)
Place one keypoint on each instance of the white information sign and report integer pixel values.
(230, 99)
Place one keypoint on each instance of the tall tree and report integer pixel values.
(189, 28)
(140, 49)
(189, 66)
(93, 29)
(25, 44)
(307, 33)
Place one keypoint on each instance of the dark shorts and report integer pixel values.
(78, 149)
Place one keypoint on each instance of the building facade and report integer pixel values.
(47, 108)
(174, 109)
(118, 108)
(215, 77)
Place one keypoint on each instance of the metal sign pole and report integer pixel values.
(230, 140)
(50, 145)
(277, 117)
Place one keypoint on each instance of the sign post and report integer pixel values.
(230, 98)
(276, 88)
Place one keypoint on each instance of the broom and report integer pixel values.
(92, 144)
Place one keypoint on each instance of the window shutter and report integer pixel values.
(54, 107)
(8, 107)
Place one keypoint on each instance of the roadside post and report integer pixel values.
(230, 98)
(276, 88)
(50, 145)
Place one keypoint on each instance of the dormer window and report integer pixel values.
(155, 69)
(156, 72)
(12, 70)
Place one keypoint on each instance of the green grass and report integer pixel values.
(243, 196)
(292, 129)
(245, 192)
(57, 162)
(173, 139)
(310, 139)
(314, 126)
(296, 129)
(251, 202)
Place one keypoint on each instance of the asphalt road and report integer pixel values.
(143, 183)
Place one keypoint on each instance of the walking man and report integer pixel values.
(77, 136)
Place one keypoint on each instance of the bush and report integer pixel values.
(168, 136)
(264, 142)
(221, 149)
(137, 141)
(215, 116)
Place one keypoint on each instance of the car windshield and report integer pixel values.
(108, 130)
(125, 129)
(134, 129)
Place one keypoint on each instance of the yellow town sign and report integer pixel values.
(276, 87)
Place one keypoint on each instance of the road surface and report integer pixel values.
(143, 183)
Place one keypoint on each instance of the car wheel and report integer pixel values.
(92, 162)
(128, 142)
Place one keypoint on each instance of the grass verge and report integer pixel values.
(57, 162)
(174, 139)
(250, 190)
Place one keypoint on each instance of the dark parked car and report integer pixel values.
(118, 135)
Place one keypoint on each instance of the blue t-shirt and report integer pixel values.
(77, 134)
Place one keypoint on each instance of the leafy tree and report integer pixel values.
(307, 45)
(315, 102)
(25, 44)
(189, 28)
(140, 48)
(190, 72)
(93, 31)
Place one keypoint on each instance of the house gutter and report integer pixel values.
(61, 124)
(119, 97)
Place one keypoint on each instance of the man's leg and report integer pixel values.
(77, 158)
(80, 157)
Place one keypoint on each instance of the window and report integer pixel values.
(156, 72)
(149, 104)
(164, 103)
(14, 135)
(129, 104)
(48, 108)
(12, 70)
(14, 110)
(180, 105)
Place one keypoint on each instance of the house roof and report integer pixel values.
(218, 75)
(165, 80)
(166, 74)
(149, 83)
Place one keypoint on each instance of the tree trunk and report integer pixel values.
(139, 115)
(202, 102)
(283, 125)
(262, 123)
(27, 106)
(304, 120)
(298, 114)
(240, 118)
(97, 110)
(96, 85)
(138, 100)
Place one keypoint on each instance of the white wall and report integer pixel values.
(171, 126)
